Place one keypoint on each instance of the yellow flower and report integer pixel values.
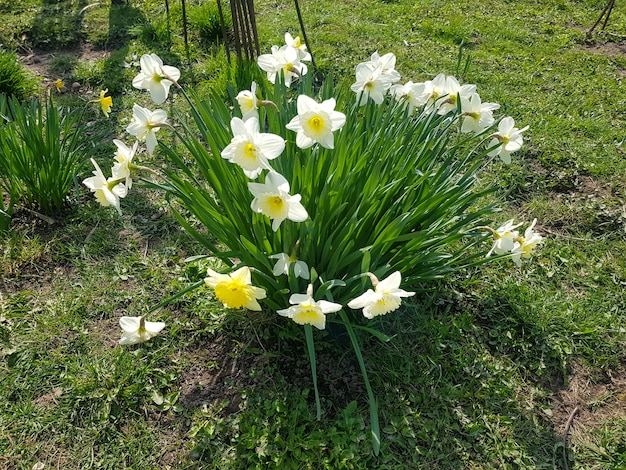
(58, 83)
(235, 290)
(106, 102)
(305, 310)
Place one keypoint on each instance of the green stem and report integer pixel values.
(308, 331)
(370, 394)
(146, 169)
(176, 296)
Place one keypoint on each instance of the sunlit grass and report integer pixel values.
(476, 366)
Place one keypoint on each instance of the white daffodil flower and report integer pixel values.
(504, 238)
(306, 311)
(235, 290)
(510, 139)
(316, 122)
(155, 77)
(414, 95)
(370, 83)
(387, 64)
(247, 101)
(137, 330)
(107, 191)
(436, 90)
(285, 59)
(272, 199)
(145, 123)
(524, 245)
(124, 157)
(300, 268)
(251, 149)
(477, 116)
(386, 296)
(303, 54)
(453, 90)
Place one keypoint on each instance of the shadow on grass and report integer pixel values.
(473, 376)
(453, 391)
(57, 25)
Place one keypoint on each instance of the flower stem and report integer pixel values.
(370, 395)
(308, 332)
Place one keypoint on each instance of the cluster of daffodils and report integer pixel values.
(235, 290)
(443, 94)
(253, 151)
(287, 60)
(316, 124)
(508, 241)
(157, 79)
(109, 191)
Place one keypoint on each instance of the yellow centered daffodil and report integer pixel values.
(247, 101)
(508, 137)
(250, 148)
(137, 330)
(477, 116)
(298, 45)
(273, 206)
(58, 83)
(155, 77)
(145, 124)
(316, 122)
(300, 268)
(305, 310)
(107, 191)
(524, 245)
(384, 298)
(308, 313)
(272, 199)
(286, 58)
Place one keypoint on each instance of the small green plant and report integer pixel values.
(15, 80)
(43, 148)
(9, 186)
(56, 25)
(155, 33)
(205, 19)
(63, 64)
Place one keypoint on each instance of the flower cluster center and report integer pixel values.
(250, 151)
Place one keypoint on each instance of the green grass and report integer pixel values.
(15, 80)
(483, 369)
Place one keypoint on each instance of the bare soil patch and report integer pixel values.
(40, 62)
(48, 399)
(611, 49)
(220, 371)
(599, 396)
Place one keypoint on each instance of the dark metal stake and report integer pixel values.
(607, 10)
(185, 36)
(306, 41)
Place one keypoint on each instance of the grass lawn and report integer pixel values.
(494, 367)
